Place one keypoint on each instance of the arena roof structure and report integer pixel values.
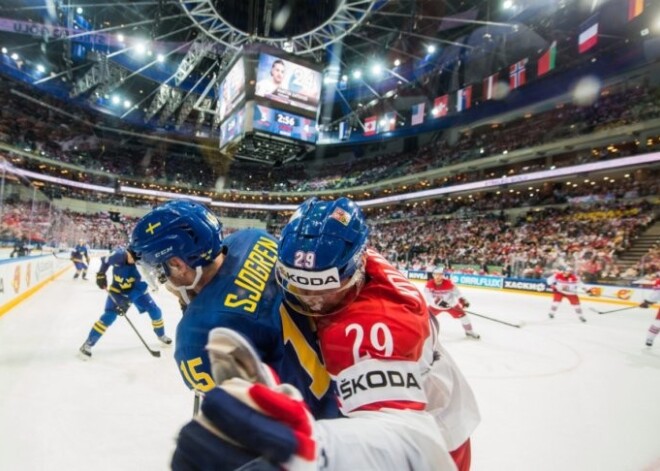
(372, 51)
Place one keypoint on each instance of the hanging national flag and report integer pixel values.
(344, 130)
(441, 106)
(635, 8)
(417, 114)
(464, 98)
(370, 124)
(387, 123)
(489, 86)
(588, 34)
(517, 74)
(547, 60)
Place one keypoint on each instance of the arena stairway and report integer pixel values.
(640, 246)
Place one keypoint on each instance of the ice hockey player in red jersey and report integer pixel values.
(652, 297)
(442, 295)
(375, 332)
(565, 284)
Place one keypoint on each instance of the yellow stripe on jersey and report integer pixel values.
(309, 360)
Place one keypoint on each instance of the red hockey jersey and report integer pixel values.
(373, 347)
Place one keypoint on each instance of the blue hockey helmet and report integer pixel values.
(179, 228)
(320, 256)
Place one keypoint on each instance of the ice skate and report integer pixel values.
(86, 350)
(649, 343)
(583, 319)
(473, 335)
(551, 315)
(165, 339)
(232, 356)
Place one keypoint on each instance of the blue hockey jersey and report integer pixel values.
(244, 296)
(125, 276)
(80, 253)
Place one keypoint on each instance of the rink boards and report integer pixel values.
(22, 277)
(627, 295)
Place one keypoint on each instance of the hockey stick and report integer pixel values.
(197, 403)
(613, 310)
(55, 254)
(154, 353)
(517, 326)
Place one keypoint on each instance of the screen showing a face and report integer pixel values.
(232, 128)
(288, 83)
(231, 90)
(284, 124)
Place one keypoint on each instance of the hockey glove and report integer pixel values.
(645, 304)
(464, 302)
(269, 425)
(101, 280)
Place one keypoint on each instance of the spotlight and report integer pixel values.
(430, 48)
(4, 50)
(357, 74)
(14, 56)
(160, 58)
(115, 100)
(397, 62)
(79, 10)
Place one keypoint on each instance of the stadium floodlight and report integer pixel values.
(507, 5)
(127, 104)
(160, 58)
(14, 56)
(397, 62)
(430, 48)
(115, 100)
(120, 37)
(79, 10)
(357, 73)
(141, 48)
(41, 68)
(376, 69)
(4, 50)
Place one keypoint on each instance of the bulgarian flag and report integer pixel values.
(547, 60)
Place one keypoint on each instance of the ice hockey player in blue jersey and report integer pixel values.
(126, 288)
(228, 283)
(80, 259)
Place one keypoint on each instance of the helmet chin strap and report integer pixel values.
(183, 290)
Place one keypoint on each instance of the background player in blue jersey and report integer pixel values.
(126, 288)
(228, 283)
(80, 259)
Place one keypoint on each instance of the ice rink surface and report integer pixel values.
(554, 395)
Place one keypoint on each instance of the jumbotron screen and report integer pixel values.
(282, 123)
(233, 127)
(232, 89)
(288, 84)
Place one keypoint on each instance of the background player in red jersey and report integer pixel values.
(650, 298)
(442, 295)
(565, 284)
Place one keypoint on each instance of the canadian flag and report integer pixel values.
(370, 125)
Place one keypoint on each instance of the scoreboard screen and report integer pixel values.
(284, 124)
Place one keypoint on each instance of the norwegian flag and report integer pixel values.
(517, 74)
